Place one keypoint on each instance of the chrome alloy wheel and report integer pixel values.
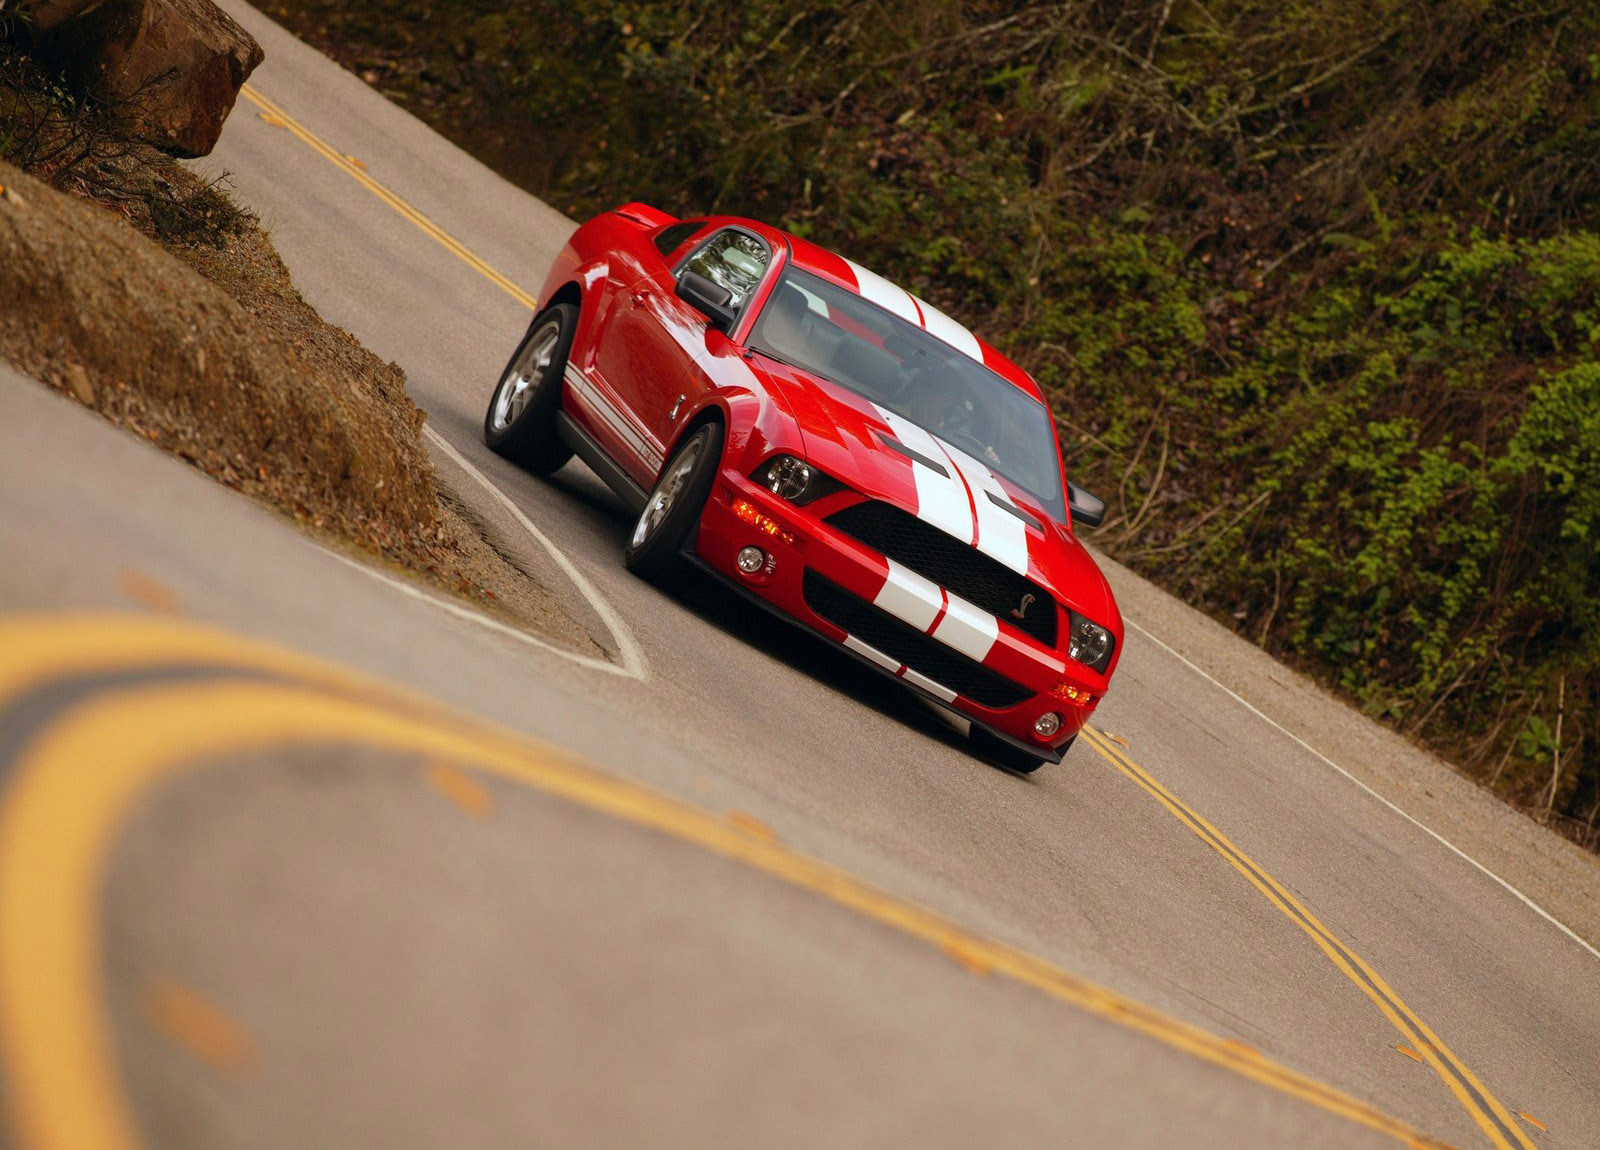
(662, 499)
(524, 375)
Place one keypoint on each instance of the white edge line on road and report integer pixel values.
(632, 663)
(1242, 701)
(628, 650)
(471, 616)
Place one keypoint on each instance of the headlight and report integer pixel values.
(786, 476)
(794, 479)
(1090, 644)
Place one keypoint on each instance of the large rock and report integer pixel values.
(47, 15)
(173, 68)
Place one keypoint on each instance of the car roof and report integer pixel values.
(851, 276)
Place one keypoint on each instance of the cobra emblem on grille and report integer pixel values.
(1021, 612)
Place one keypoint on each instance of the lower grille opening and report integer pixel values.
(904, 643)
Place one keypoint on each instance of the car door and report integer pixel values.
(655, 342)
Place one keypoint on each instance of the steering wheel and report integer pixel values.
(968, 428)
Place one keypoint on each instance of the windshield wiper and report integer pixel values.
(752, 349)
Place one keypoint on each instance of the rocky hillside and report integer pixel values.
(154, 299)
(1314, 286)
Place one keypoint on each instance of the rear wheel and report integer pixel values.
(521, 421)
(672, 511)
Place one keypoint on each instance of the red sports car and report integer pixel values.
(831, 445)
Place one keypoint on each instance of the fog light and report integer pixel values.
(751, 559)
(1047, 724)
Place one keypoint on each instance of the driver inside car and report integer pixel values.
(945, 407)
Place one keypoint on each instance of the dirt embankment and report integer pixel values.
(205, 348)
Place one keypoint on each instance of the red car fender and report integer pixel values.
(563, 273)
(756, 424)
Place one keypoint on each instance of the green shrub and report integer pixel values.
(1313, 286)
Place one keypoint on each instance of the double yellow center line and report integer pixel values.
(276, 116)
(148, 700)
(1486, 1110)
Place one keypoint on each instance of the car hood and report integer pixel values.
(885, 456)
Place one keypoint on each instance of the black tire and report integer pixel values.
(993, 749)
(672, 511)
(521, 421)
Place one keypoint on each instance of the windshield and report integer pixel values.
(812, 324)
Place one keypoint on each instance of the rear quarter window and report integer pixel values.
(670, 238)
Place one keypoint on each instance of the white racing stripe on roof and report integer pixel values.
(872, 654)
(891, 297)
(909, 597)
(968, 629)
(1001, 535)
(947, 329)
(942, 500)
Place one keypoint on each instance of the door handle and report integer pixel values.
(673, 414)
(638, 298)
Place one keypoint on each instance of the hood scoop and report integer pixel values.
(938, 468)
(1007, 505)
(933, 465)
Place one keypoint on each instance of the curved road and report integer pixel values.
(344, 890)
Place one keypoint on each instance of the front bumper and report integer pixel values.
(826, 581)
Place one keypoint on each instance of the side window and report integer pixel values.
(733, 259)
(671, 237)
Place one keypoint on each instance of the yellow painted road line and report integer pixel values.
(201, 1028)
(58, 824)
(357, 172)
(1475, 1098)
(631, 659)
(1394, 1009)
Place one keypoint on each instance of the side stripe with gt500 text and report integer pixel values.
(594, 400)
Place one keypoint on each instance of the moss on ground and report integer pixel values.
(151, 297)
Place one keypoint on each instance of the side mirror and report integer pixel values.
(1089, 510)
(711, 300)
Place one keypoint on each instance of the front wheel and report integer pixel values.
(656, 544)
(521, 421)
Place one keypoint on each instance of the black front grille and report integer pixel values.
(905, 644)
(952, 564)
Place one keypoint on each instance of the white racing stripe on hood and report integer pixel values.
(871, 654)
(1001, 535)
(942, 500)
(968, 629)
(890, 297)
(909, 597)
(945, 502)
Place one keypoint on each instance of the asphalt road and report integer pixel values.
(401, 878)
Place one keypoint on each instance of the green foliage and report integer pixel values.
(1435, 532)
(1315, 288)
(1537, 741)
